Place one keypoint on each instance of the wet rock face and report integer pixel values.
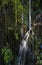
(1, 57)
(37, 20)
(39, 17)
(27, 58)
(30, 58)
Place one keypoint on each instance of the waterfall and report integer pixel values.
(23, 49)
(22, 31)
(22, 52)
(24, 44)
(29, 14)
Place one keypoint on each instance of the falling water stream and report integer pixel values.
(23, 49)
(24, 44)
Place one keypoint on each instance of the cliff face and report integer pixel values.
(37, 24)
(37, 20)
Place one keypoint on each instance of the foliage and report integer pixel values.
(11, 23)
(7, 54)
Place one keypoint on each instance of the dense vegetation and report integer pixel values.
(11, 23)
